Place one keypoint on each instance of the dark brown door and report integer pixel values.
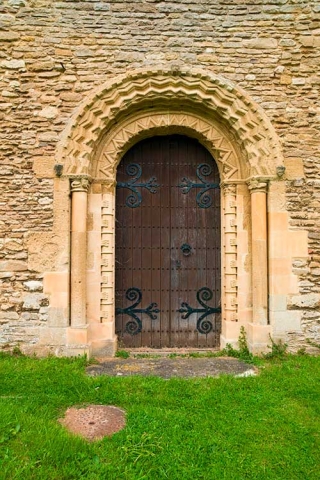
(168, 245)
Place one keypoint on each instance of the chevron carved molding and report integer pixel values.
(210, 98)
(120, 139)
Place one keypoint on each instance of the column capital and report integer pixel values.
(229, 188)
(80, 184)
(257, 185)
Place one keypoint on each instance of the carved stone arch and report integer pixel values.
(209, 95)
(124, 135)
(241, 139)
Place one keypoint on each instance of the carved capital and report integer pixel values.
(257, 185)
(108, 187)
(80, 184)
(229, 188)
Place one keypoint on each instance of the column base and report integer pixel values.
(103, 341)
(258, 337)
(77, 341)
(230, 334)
(96, 339)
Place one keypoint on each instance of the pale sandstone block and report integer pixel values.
(279, 266)
(258, 337)
(52, 336)
(230, 333)
(43, 167)
(288, 321)
(34, 301)
(278, 221)
(9, 37)
(283, 284)
(278, 303)
(307, 40)
(261, 43)
(288, 243)
(77, 336)
(13, 266)
(46, 251)
(6, 317)
(277, 197)
(294, 168)
(93, 289)
(107, 314)
(308, 300)
(59, 299)
(56, 282)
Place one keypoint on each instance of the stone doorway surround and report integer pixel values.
(257, 245)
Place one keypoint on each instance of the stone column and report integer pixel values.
(258, 190)
(79, 189)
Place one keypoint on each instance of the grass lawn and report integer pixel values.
(264, 427)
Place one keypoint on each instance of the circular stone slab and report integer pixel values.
(94, 421)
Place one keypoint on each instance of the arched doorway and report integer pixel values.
(168, 247)
(241, 139)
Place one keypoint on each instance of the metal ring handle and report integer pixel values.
(186, 249)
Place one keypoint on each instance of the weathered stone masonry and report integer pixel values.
(55, 55)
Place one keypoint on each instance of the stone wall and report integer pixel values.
(53, 53)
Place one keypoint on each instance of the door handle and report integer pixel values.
(186, 249)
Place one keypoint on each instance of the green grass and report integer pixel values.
(264, 427)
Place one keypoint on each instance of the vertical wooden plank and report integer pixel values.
(154, 156)
(195, 241)
(146, 246)
(124, 257)
(212, 248)
(177, 221)
(165, 233)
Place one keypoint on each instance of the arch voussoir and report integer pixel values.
(214, 99)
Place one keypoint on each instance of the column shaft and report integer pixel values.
(259, 256)
(78, 254)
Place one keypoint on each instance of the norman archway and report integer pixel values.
(240, 137)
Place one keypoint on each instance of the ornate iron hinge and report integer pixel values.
(134, 199)
(133, 327)
(204, 200)
(203, 295)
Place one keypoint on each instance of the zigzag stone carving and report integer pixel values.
(212, 98)
(120, 139)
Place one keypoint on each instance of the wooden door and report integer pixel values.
(168, 245)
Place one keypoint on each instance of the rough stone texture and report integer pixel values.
(54, 53)
(172, 367)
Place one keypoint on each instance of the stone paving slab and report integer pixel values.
(171, 367)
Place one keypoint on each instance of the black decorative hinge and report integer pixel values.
(133, 327)
(203, 295)
(134, 199)
(204, 200)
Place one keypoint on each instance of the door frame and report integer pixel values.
(236, 202)
(237, 133)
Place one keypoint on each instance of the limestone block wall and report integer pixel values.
(54, 53)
